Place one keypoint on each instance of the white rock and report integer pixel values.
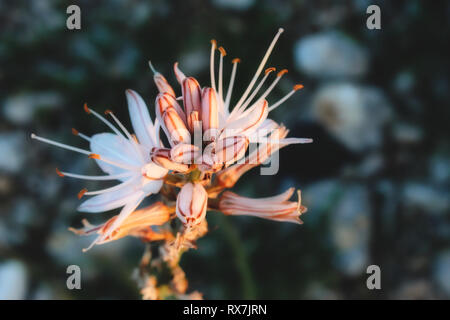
(330, 54)
(317, 197)
(12, 155)
(234, 4)
(440, 169)
(354, 114)
(13, 280)
(407, 133)
(426, 197)
(441, 272)
(350, 230)
(20, 109)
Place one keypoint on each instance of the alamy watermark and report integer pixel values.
(74, 279)
(374, 280)
(374, 20)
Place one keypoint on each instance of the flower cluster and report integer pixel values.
(208, 144)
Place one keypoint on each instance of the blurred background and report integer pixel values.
(376, 179)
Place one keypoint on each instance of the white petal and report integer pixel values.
(152, 186)
(114, 148)
(140, 119)
(132, 204)
(249, 123)
(112, 200)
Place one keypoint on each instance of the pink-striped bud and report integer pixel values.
(193, 122)
(192, 95)
(176, 129)
(162, 84)
(192, 203)
(161, 157)
(178, 73)
(184, 153)
(231, 149)
(166, 100)
(210, 115)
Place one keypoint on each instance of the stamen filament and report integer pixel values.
(89, 139)
(119, 165)
(222, 54)
(116, 187)
(121, 126)
(90, 154)
(296, 88)
(211, 63)
(247, 102)
(100, 178)
(260, 68)
(152, 67)
(58, 144)
(230, 86)
(109, 124)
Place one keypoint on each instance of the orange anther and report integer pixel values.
(282, 72)
(222, 51)
(86, 108)
(214, 43)
(268, 70)
(81, 193)
(75, 131)
(94, 156)
(107, 111)
(236, 60)
(298, 87)
(59, 173)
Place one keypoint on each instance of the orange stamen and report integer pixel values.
(236, 60)
(59, 173)
(298, 87)
(94, 156)
(75, 131)
(222, 51)
(268, 70)
(86, 108)
(81, 193)
(214, 43)
(282, 72)
(107, 111)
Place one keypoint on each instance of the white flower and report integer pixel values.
(123, 157)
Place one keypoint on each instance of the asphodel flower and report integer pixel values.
(123, 157)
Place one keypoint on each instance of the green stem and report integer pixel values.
(240, 257)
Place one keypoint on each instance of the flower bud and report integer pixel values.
(161, 157)
(210, 115)
(176, 129)
(166, 100)
(192, 95)
(162, 84)
(192, 202)
(185, 153)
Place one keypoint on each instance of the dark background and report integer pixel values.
(376, 179)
